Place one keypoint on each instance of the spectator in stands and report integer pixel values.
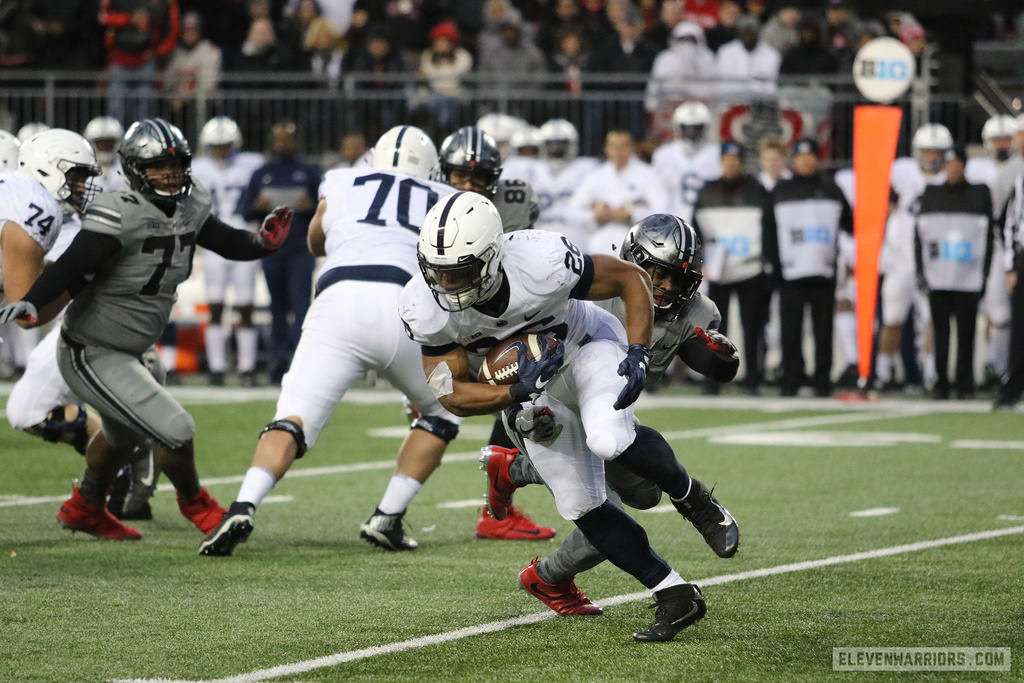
(772, 162)
(781, 30)
(759, 10)
(671, 15)
(599, 16)
(809, 55)
(515, 56)
(704, 13)
(443, 64)
(567, 17)
(725, 30)
(64, 34)
(628, 52)
(378, 57)
(801, 237)
(406, 21)
(139, 35)
(285, 180)
(496, 14)
(843, 31)
(570, 60)
(747, 65)
(17, 43)
(260, 53)
(324, 51)
(293, 28)
(337, 13)
(686, 69)
(195, 66)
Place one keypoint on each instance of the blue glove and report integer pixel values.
(634, 368)
(535, 374)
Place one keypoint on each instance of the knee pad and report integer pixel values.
(292, 428)
(55, 427)
(180, 430)
(605, 445)
(438, 426)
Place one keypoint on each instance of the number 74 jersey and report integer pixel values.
(374, 217)
(28, 205)
(128, 303)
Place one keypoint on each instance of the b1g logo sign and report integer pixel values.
(883, 69)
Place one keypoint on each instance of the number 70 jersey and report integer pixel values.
(374, 217)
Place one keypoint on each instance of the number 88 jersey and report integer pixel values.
(374, 217)
(28, 205)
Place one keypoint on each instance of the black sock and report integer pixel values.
(92, 490)
(650, 457)
(499, 437)
(624, 543)
(239, 508)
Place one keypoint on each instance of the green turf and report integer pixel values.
(304, 586)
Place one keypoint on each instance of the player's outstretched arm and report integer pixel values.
(243, 245)
(614, 277)
(711, 354)
(449, 377)
(22, 260)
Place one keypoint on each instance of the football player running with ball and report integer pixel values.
(479, 287)
(685, 326)
(121, 272)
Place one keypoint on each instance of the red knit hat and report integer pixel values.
(446, 29)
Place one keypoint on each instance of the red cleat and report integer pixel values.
(564, 597)
(78, 514)
(202, 510)
(500, 486)
(517, 526)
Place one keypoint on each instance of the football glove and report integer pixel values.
(719, 344)
(536, 424)
(535, 374)
(274, 230)
(634, 368)
(18, 310)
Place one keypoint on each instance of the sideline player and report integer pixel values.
(690, 160)
(685, 327)
(365, 225)
(225, 171)
(105, 133)
(561, 149)
(121, 272)
(479, 287)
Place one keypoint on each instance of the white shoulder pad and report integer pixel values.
(423, 318)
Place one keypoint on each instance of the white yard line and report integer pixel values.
(979, 444)
(874, 512)
(504, 624)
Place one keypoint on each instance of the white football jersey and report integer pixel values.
(226, 183)
(27, 204)
(668, 334)
(69, 228)
(111, 179)
(684, 173)
(555, 213)
(374, 217)
(531, 169)
(909, 181)
(543, 271)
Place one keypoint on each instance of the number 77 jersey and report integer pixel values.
(374, 217)
(128, 303)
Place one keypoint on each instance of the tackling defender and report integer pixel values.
(479, 287)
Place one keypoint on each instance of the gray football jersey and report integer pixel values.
(668, 335)
(128, 302)
(517, 204)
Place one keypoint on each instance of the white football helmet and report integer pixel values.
(561, 140)
(49, 157)
(8, 150)
(459, 251)
(997, 135)
(501, 127)
(690, 119)
(932, 136)
(525, 138)
(406, 149)
(105, 133)
(30, 129)
(219, 131)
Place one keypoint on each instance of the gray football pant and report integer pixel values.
(577, 554)
(127, 391)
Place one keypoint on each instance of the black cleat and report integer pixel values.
(711, 519)
(234, 528)
(677, 607)
(385, 531)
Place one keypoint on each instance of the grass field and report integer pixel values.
(305, 599)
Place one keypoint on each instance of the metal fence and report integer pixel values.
(370, 103)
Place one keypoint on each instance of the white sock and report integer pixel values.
(884, 364)
(998, 349)
(673, 579)
(931, 375)
(216, 348)
(399, 493)
(247, 338)
(256, 485)
(846, 331)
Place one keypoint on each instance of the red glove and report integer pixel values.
(717, 342)
(274, 230)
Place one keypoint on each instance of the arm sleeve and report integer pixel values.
(698, 356)
(73, 270)
(237, 245)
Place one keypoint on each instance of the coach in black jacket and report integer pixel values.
(953, 238)
(801, 237)
(729, 215)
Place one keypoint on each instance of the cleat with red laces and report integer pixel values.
(517, 526)
(202, 510)
(78, 514)
(564, 597)
(496, 460)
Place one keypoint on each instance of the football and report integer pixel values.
(501, 366)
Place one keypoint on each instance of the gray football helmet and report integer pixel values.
(669, 249)
(155, 142)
